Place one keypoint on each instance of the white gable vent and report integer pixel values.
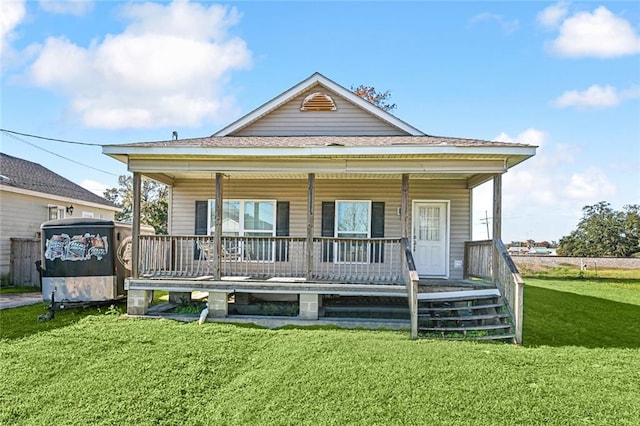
(318, 102)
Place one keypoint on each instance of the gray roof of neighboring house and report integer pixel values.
(23, 174)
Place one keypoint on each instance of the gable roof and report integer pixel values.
(314, 80)
(22, 174)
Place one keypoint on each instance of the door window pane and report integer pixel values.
(429, 224)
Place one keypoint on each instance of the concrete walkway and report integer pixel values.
(19, 299)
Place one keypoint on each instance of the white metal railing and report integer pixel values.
(375, 260)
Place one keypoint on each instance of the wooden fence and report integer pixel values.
(24, 253)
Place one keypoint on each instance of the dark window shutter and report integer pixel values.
(377, 231)
(202, 209)
(328, 228)
(282, 230)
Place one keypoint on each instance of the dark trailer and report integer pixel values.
(86, 260)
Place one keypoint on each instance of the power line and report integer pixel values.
(12, 135)
(9, 132)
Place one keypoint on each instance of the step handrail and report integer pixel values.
(411, 278)
(508, 280)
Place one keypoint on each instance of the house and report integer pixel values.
(31, 194)
(320, 194)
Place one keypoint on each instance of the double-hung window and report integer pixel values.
(353, 221)
(255, 219)
(56, 212)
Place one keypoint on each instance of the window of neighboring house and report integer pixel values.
(56, 212)
(353, 220)
(88, 215)
(247, 218)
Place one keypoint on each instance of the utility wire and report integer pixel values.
(11, 134)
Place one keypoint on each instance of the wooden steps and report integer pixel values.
(464, 315)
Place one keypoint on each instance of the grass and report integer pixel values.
(13, 290)
(580, 365)
(105, 370)
(568, 307)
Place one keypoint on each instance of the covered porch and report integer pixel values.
(180, 265)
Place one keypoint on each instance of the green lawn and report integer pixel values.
(580, 365)
(10, 290)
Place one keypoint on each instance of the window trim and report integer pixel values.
(245, 247)
(242, 229)
(337, 248)
(61, 212)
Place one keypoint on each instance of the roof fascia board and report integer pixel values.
(317, 78)
(31, 193)
(315, 151)
(383, 166)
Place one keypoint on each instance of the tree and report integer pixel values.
(603, 231)
(153, 202)
(370, 94)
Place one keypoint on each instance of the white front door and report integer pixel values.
(430, 238)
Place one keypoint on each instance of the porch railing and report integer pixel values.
(376, 260)
(491, 261)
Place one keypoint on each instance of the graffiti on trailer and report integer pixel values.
(78, 247)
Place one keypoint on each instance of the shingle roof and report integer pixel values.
(23, 174)
(310, 141)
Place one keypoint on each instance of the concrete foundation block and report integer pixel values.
(138, 302)
(309, 305)
(218, 304)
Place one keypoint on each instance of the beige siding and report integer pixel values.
(347, 120)
(21, 216)
(187, 192)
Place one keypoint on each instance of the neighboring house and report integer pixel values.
(541, 251)
(31, 194)
(518, 250)
(319, 193)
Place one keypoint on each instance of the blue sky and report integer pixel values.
(561, 75)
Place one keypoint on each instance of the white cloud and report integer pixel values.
(71, 7)
(542, 197)
(167, 68)
(590, 185)
(551, 16)
(93, 186)
(507, 25)
(530, 136)
(595, 97)
(12, 13)
(600, 34)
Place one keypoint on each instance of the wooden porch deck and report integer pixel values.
(287, 285)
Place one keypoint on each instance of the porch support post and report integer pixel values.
(217, 235)
(497, 207)
(497, 222)
(404, 206)
(135, 226)
(311, 188)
